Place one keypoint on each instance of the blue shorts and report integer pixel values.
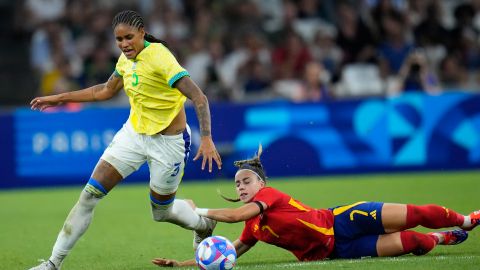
(356, 228)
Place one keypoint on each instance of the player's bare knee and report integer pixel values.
(111, 172)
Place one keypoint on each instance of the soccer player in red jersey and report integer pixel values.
(357, 230)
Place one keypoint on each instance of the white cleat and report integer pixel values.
(46, 265)
(199, 236)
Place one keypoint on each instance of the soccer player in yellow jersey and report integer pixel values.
(155, 132)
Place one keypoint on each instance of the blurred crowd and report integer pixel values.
(251, 50)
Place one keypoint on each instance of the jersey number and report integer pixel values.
(135, 77)
(176, 169)
(373, 214)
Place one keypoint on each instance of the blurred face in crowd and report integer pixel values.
(393, 26)
(129, 39)
(247, 184)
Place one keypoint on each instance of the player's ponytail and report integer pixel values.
(150, 38)
(254, 164)
(226, 198)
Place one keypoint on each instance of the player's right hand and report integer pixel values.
(209, 153)
(165, 262)
(41, 103)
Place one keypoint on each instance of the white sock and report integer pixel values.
(182, 214)
(74, 227)
(467, 222)
(440, 237)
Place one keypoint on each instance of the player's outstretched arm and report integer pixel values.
(233, 215)
(240, 248)
(207, 148)
(162, 262)
(97, 92)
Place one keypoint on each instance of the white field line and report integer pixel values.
(393, 259)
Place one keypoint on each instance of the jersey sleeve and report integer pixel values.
(247, 236)
(120, 66)
(269, 196)
(116, 73)
(170, 68)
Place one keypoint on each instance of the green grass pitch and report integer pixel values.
(124, 236)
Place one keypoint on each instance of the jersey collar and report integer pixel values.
(145, 44)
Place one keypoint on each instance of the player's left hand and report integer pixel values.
(165, 262)
(209, 153)
(191, 203)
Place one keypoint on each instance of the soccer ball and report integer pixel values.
(216, 253)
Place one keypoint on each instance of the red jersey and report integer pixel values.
(289, 224)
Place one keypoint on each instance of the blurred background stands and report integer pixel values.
(253, 50)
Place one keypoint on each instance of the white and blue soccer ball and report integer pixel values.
(216, 253)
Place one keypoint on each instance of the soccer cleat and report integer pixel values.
(474, 220)
(199, 236)
(45, 265)
(453, 237)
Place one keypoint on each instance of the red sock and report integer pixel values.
(432, 216)
(417, 243)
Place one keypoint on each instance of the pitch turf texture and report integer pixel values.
(124, 236)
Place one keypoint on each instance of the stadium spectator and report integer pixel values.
(286, 24)
(440, 27)
(166, 22)
(394, 48)
(325, 50)
(60, 78)
(253, 74)
(464, 36)
(379, 11)
(77, 15)
(47, 40)
(216, 86)
(255, 80)
(207, 25)
(40, 11)
(198, 60)
(430, 31)
(431, 35)
(452, 74)
(289, 58)
(416, 75)
(313, 87)
(417, 11)
(205, 65)
(351, 231)
(324, 9)
(354, 37)
(236, 70)
(315, 83)
(153, 79)
(98, 65)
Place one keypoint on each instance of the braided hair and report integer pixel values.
(254, 164)
(132, 18)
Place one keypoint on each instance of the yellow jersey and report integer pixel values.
(148, 82)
